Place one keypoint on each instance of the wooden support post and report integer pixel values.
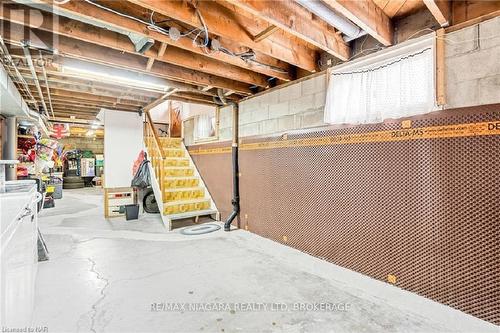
(440, 68)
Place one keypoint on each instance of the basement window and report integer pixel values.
(394, 83)
(206, 126)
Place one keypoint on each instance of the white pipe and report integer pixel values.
(348, 28)
(27, 54)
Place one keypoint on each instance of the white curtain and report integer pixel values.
(395, 87)
(204, 126)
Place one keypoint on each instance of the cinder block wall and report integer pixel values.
(96, 145)
(473, 65)
(472, 78)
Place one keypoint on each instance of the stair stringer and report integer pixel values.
(213, 206)
(158, 195)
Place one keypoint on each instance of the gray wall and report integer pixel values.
(473, 65)
(472, 78)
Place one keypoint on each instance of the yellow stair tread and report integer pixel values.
(181, 202)
(193, 213)
(178, 167)
(180, 189)
(180, 177)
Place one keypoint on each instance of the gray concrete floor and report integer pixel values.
(108, 276)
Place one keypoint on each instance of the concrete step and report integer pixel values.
(184, 206)
(185, 193)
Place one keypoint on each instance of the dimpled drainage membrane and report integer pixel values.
(421, 213)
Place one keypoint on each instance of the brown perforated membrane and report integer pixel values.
(426, 211)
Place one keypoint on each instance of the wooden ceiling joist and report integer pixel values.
(88, 11)
(229, 24)
(298, 21)
(97, 92)
(441, 10)
(76, 49)
(368, 16)
(95, 35)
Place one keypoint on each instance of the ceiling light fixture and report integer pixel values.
(101, 76)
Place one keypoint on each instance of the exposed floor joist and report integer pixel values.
(441, 10)
(303, 25)
(368, 16)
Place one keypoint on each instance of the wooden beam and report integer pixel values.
(150, 64)
(95, 35)
(298, 21)
(368, 16)
(87, 11)
(265, 33)
(92, 52)
(231, 25)
(473, 21)
(441, 10)
(159, 101)
(97, 92)
(440, 68)
(189, 100)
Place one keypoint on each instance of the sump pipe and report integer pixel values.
(236, 170)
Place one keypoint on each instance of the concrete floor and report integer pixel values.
(107, 276)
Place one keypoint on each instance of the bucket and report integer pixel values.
(131, 212)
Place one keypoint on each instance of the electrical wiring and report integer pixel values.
(247, 56)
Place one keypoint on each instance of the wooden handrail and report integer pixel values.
(150, 123)
(155, 153)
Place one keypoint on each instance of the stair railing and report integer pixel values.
(155, 152)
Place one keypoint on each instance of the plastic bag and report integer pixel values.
(142, 178)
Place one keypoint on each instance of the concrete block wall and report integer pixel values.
(96, 145)
(298, 105)
(472, 78)
(473, 65)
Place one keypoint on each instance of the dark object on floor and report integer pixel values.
(73, 185)
(142, 178)
(43, 252)
(200, 229)
(149, 203)
(48, 202)
(72, 179)
(131, 212)
(72, 182)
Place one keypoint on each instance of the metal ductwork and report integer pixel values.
(318, 8)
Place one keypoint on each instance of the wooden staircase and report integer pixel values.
(178, 187)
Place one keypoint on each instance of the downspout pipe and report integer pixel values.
(236, 170)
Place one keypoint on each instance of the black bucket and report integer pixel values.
(131, 212)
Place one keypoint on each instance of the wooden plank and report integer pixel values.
(159, 101)
(231, 25)
(298, 21)
(368, 16)
(265, 33)
(441, 10)
(440, 68)
(88, 11)
(150, 64)
(92, 52)
(473, 21)
(95, 35)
